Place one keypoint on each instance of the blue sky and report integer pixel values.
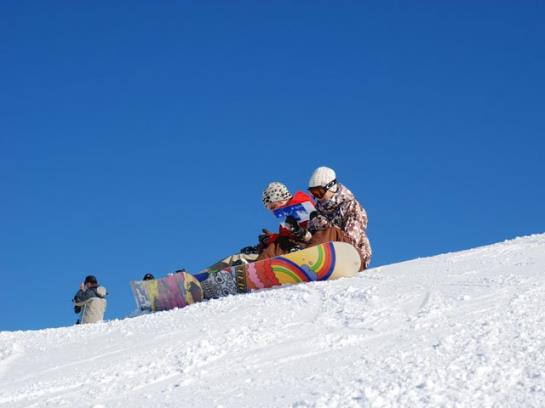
(137, 137)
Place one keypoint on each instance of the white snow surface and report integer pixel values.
(464, 329)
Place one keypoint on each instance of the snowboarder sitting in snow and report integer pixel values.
(339, 216)
(292, 235)
(90, 301)
(290, 238)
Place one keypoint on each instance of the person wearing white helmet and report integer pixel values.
(339, 216)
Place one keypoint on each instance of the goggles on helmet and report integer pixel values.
(319, 191)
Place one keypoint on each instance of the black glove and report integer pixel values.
(295, 228)
(265, 238)
(249, 250)
(284, 243)
(291, 223)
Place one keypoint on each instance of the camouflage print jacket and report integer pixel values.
(346, 213)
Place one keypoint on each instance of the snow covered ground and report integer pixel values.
(464, 329)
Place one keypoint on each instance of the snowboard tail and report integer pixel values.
(173, 291)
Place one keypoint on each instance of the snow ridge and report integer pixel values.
(461, 329)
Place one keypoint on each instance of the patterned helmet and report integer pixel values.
(274, 192)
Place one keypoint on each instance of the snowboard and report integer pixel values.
(328, 261)
(177, 290)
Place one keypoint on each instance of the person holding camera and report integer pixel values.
(90, 301)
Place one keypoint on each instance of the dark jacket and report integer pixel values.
(91, 303)
(83, 295)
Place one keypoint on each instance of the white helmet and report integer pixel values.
(322, 177)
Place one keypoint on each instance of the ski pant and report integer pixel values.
(92, 310)
(281, 246)
(335, 234)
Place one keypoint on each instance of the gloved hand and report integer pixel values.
(265, 238)
(291, 223)
(249, 250)
(284, 243)
(295, 228)
(317, 222)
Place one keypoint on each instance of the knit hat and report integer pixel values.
(321, 177)
(90, 279)
(274, 192)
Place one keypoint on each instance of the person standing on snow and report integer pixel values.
(90, 301)
(339, 216)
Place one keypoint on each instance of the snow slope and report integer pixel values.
(462, 329)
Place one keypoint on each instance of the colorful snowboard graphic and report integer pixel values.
(178, 290)
(328, 261)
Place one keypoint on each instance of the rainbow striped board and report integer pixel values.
(328, 261)
(173, 291)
